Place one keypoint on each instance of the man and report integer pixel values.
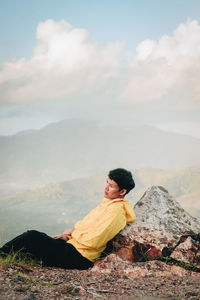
(78, 248)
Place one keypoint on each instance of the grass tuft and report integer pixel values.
(18, 257)
(170, 261)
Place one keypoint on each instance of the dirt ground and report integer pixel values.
(35, 283)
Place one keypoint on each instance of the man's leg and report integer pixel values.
(52, 252)
(19, 243)
(31, 241)
(74, 259)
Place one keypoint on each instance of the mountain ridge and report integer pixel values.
(71, 149)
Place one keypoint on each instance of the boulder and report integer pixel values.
(113, 264)
(160, 224)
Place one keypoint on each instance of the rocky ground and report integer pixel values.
(19, 282)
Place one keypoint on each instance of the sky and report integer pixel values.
(126, 63)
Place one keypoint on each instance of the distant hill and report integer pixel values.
(178, 181)
(59, 205)
(72, 149)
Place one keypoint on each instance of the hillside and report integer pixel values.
(72, 149)
(59, 205)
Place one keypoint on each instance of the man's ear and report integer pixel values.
(123, 192)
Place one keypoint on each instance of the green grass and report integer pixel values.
(170, 261)
(19, 258)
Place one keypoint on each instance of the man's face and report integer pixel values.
(112, 190)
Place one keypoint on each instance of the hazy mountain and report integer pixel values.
(57, 206)
(72, 148)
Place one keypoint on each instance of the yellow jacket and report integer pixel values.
(93, 232)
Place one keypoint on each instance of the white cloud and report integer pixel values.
(167, 69)
(65, 61)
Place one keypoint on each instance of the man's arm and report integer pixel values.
(65, 235)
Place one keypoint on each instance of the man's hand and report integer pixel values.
(65, 235)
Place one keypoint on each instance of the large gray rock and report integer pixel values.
(160, 224)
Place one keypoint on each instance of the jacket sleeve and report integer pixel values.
(103, 230)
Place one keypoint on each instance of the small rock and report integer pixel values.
(79, 290)
(126, 253)
(31, 297)
(20, 289)
(19, 278)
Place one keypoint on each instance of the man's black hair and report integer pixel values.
(123, 178)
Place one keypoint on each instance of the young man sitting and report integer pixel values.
(78, 248)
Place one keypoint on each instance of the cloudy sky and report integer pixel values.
(126, 63)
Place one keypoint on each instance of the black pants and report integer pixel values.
(52, 252)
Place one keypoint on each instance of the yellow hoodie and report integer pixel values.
(105, 221)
